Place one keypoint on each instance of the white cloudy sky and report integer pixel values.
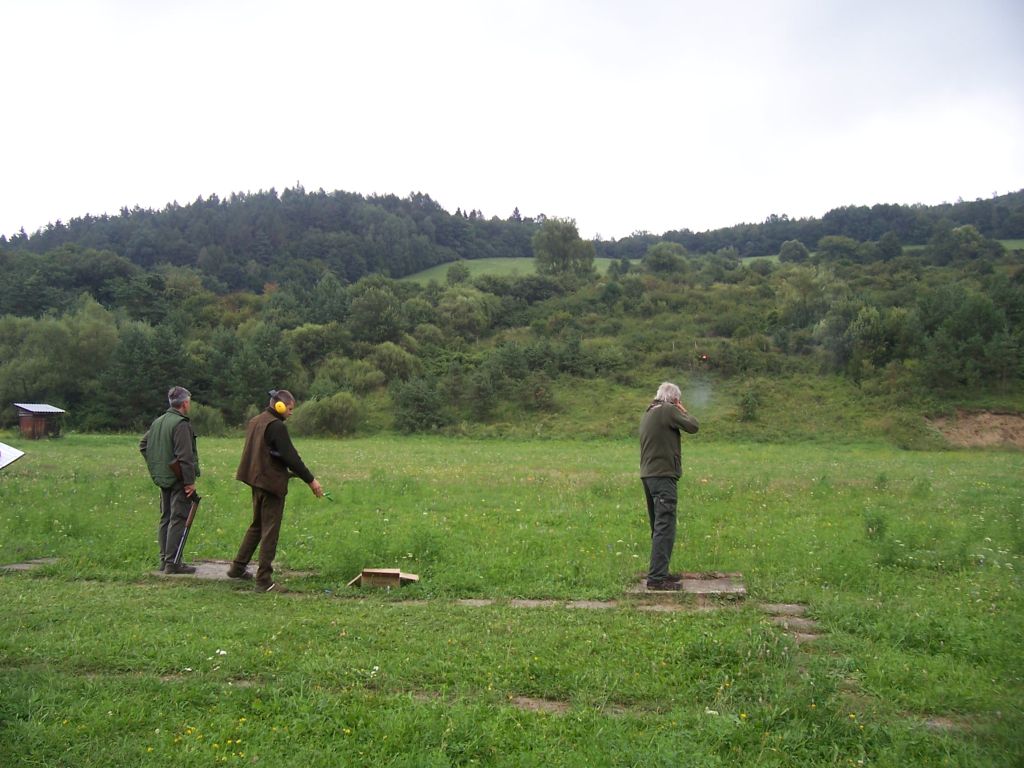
(633, 115)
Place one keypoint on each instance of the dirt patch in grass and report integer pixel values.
(540, 705)
(982, 429)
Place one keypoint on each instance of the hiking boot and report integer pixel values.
(664, 585)
(670, 577)
(178, 568)
(267, 587)
(234, 573)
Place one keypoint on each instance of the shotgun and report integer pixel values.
(195, 499)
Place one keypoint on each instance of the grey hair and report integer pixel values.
(668, 393)
(178, 396)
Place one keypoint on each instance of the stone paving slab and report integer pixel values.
(594, 605)
(533, 603)
(28, 565)
(707, 584)
(784, 609)
(217, 570)
(795, 623)
(804, 637)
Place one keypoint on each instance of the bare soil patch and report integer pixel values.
(982, 429)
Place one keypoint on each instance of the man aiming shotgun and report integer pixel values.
(660, 468)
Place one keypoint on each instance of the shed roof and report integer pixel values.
(38, 408)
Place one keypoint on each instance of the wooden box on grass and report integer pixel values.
(383, 577)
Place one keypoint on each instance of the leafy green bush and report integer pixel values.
(418, 405)
(207, 421)
(337, 415)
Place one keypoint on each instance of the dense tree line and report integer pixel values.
(997, 218)
(249, 240)
(103, 336)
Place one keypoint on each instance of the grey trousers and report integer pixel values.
(661, 511)
(173, 516)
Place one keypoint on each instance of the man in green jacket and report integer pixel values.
(661, 465)
(169, 448)
(268, 462)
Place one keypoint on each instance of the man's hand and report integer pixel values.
(190, 489)
(681, 408)
(316, 488)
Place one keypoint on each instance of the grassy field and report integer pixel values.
(498, 266)
(909, 562)
(524, 266)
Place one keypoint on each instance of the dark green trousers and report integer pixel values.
(661, 511)
(263, 531)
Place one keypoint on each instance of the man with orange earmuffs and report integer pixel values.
(269, 461)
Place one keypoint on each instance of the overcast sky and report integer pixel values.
(635, 115)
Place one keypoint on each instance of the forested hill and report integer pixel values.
(230, 298)
(248, 240)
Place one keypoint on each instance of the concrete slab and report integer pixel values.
(28, 565)
(706, 584)
(217, 570)
(784, 609)
(534, 603)
(795, 623)
(729, 585)
(594, 605)
(805, 637)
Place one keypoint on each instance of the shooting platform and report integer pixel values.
(727, 585)
(217, 570)
(383, 577)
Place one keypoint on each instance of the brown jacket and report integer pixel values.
(268, 457)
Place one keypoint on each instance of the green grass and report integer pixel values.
(909, 562)
(524, 266)
(502, 267)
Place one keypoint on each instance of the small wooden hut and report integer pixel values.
(38, 420)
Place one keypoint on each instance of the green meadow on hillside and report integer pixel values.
(908, 562)
(518, 266)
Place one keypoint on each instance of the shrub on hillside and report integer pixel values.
(207, 421)
(418, 405)
(337, 415)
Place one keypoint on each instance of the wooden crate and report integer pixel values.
(383, 577)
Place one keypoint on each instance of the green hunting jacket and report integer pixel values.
(660, 449)
(171, 437)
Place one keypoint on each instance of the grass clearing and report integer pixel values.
(908, 561)
(516, 266)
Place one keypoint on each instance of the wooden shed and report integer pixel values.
(38, 420)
